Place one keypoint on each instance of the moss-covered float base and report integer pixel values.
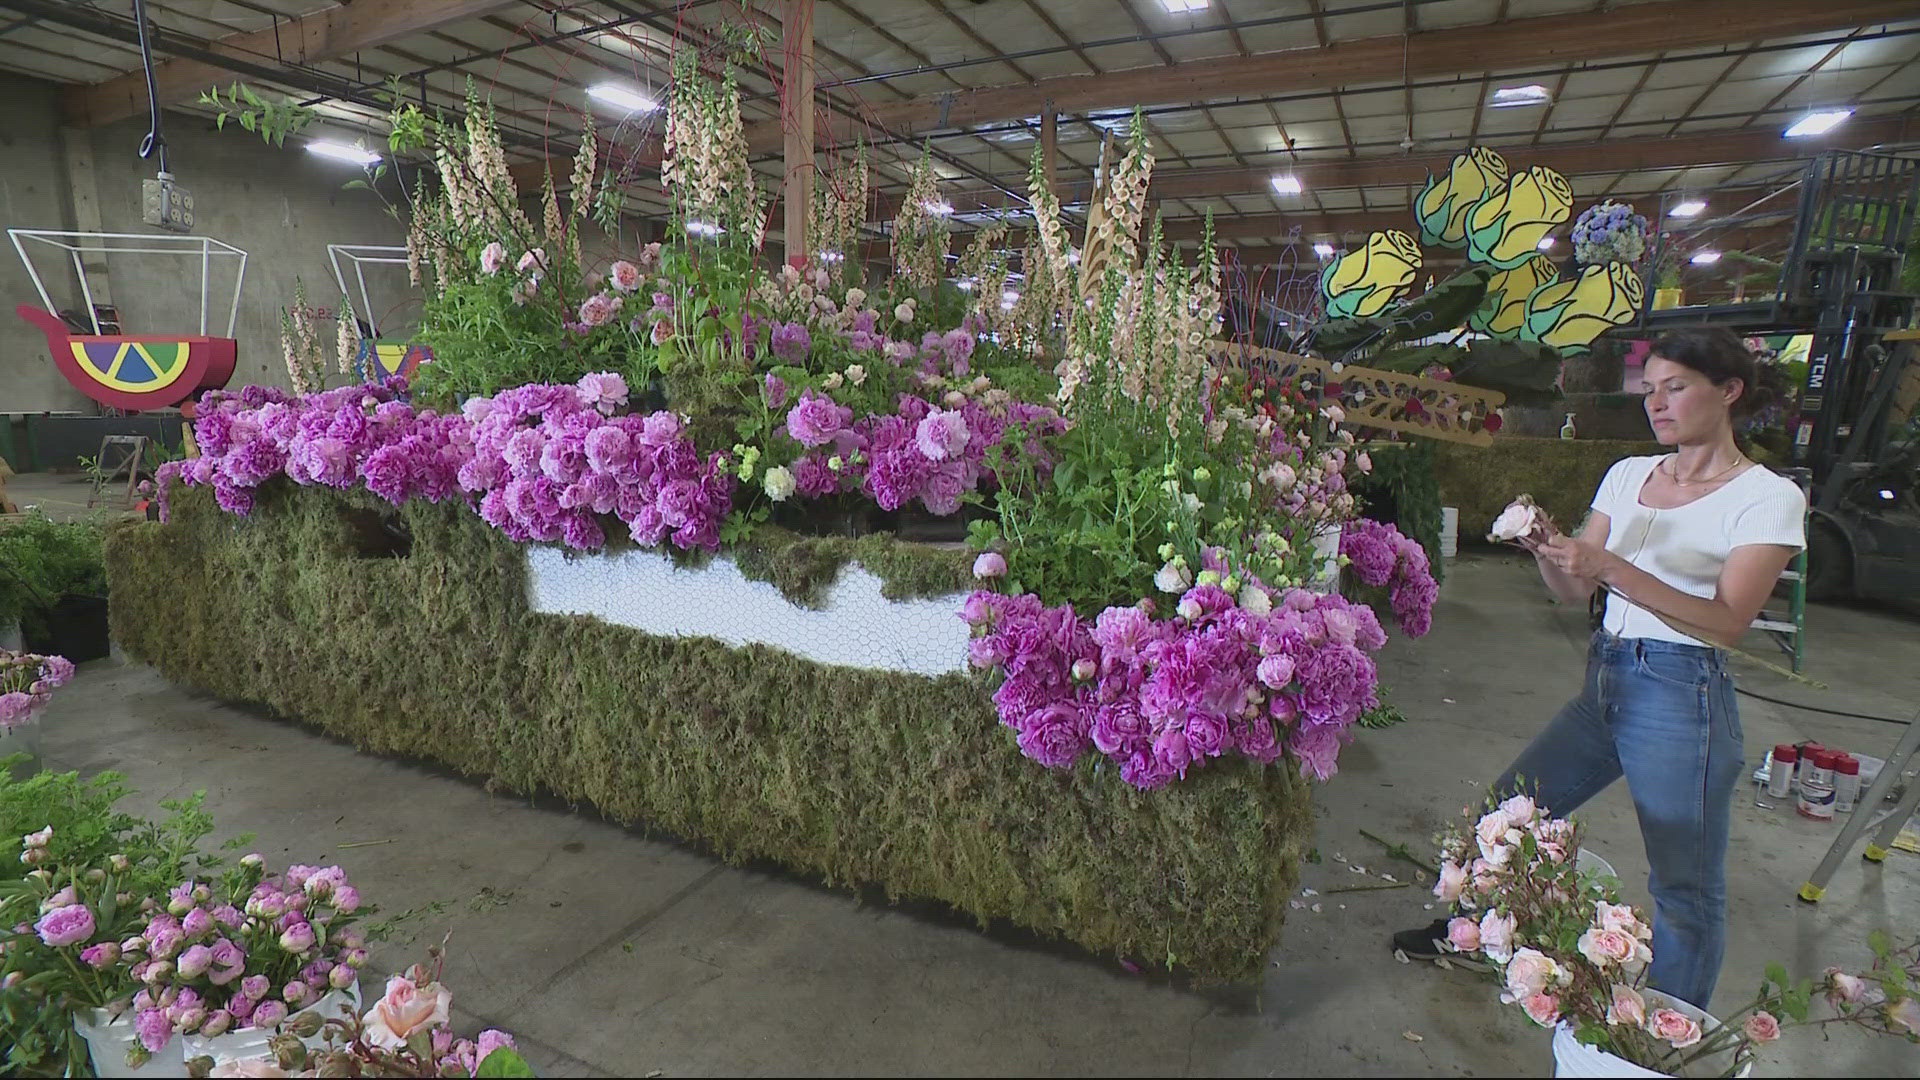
(425, 648)
(1560, 474)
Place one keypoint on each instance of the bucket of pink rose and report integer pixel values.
(1564, 950)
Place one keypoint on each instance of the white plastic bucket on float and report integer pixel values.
(1449, 531)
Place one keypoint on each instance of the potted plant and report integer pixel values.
(53, 581)
(27, 683)
(1666, 286)
(1575, 960)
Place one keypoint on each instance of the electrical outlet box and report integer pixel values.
(166, 204)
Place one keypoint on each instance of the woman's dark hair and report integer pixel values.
(1718, 354)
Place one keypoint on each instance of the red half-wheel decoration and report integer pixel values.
(142, 371)
(379, 361)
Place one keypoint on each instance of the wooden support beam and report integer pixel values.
(1548, 39)
(323, 35)
(1050, 147)
(796, 122)
(1730, 147)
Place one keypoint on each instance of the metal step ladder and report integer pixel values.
(1869, 814)
(133, 456)
(1788, 628)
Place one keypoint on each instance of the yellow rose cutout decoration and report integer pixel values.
(1504, 311)
(1443, 205)
(1360, 284)
(1569, 315)
(1505, 228)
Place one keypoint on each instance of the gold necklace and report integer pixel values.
(1674, 475)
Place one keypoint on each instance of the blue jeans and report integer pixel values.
(1663, 715)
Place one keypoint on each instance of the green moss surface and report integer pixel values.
(1560, 474)
(858, 777)
(1404, 491)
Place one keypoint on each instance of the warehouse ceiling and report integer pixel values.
(1354, 99)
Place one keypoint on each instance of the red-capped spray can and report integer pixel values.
(1816, 788)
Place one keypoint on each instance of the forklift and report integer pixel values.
(1856, 436)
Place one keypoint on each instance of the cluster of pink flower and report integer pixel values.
(336, 438)
(211, 963)
(27, 683)
(1384, 558)
(544, 460)
(1160, 696)
(921, 451)
(547, 460)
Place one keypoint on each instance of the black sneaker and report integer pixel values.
(1426, 943)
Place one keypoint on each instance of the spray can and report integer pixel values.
(1816, 788)
(1805, 763)
(1846, 783)
(1780, 770)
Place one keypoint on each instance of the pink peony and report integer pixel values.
(1275, 671)
(153, 1029)
(493, 257)
(1675, 1027)
(602, 390)
(1542, 1009)
(1629, 1009)
(67, 925)
(941, 435)
(1463, 935)
(990, 564)
(1762, 1027)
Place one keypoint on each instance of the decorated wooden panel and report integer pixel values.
(135, 372)
(1381, 399)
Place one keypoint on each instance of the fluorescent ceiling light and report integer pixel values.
(620, 97)
(1325, 251)
(1513, 97)
(1182, 7)
(1287, 184)
(1818, 122)
(1545, 244)
(1687, 208)
(1705, 258)
(938, 207)
(342, 152)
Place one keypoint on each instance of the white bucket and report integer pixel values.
(1571, 1057)
(1449, 531)
(109, 1040)
(252, 1042)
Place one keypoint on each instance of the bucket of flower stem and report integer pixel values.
(1571, 1057)
(111, 1038)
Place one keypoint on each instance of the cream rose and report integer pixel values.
(403, 1010)
(1496, 936)
(248, 1067)
(1629, 1009)
(1533, 972)
(1607, 948)
(1453, 879)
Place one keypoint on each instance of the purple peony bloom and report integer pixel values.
(816, 420)
(942, 435)
(773, 391)
(791, 342)
(154, 1029)
(70, 924)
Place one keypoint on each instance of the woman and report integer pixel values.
(1688, 546)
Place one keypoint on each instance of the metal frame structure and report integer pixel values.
(1217, 151)
(138, 244)
(360, 255)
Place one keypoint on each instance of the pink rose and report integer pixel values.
(1762, 1027)
(624, 275)
(493, 257)
(1845, 989)
(248, 1067)
(1629, 1009)
(1674, 1026)
(1605, 948)
(1905, 1015)
(1453, 880)
(1542, 1009)
(1463, 935)
(1533, 972)
(403, 1010)
(1622, 918)
(1496, 936)
(1519, 809)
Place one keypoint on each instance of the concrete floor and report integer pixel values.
(612, 953)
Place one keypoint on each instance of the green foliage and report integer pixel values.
(504, 1062)
(273, 121)
(42, 560)
(856, 776)
(1526, 371)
